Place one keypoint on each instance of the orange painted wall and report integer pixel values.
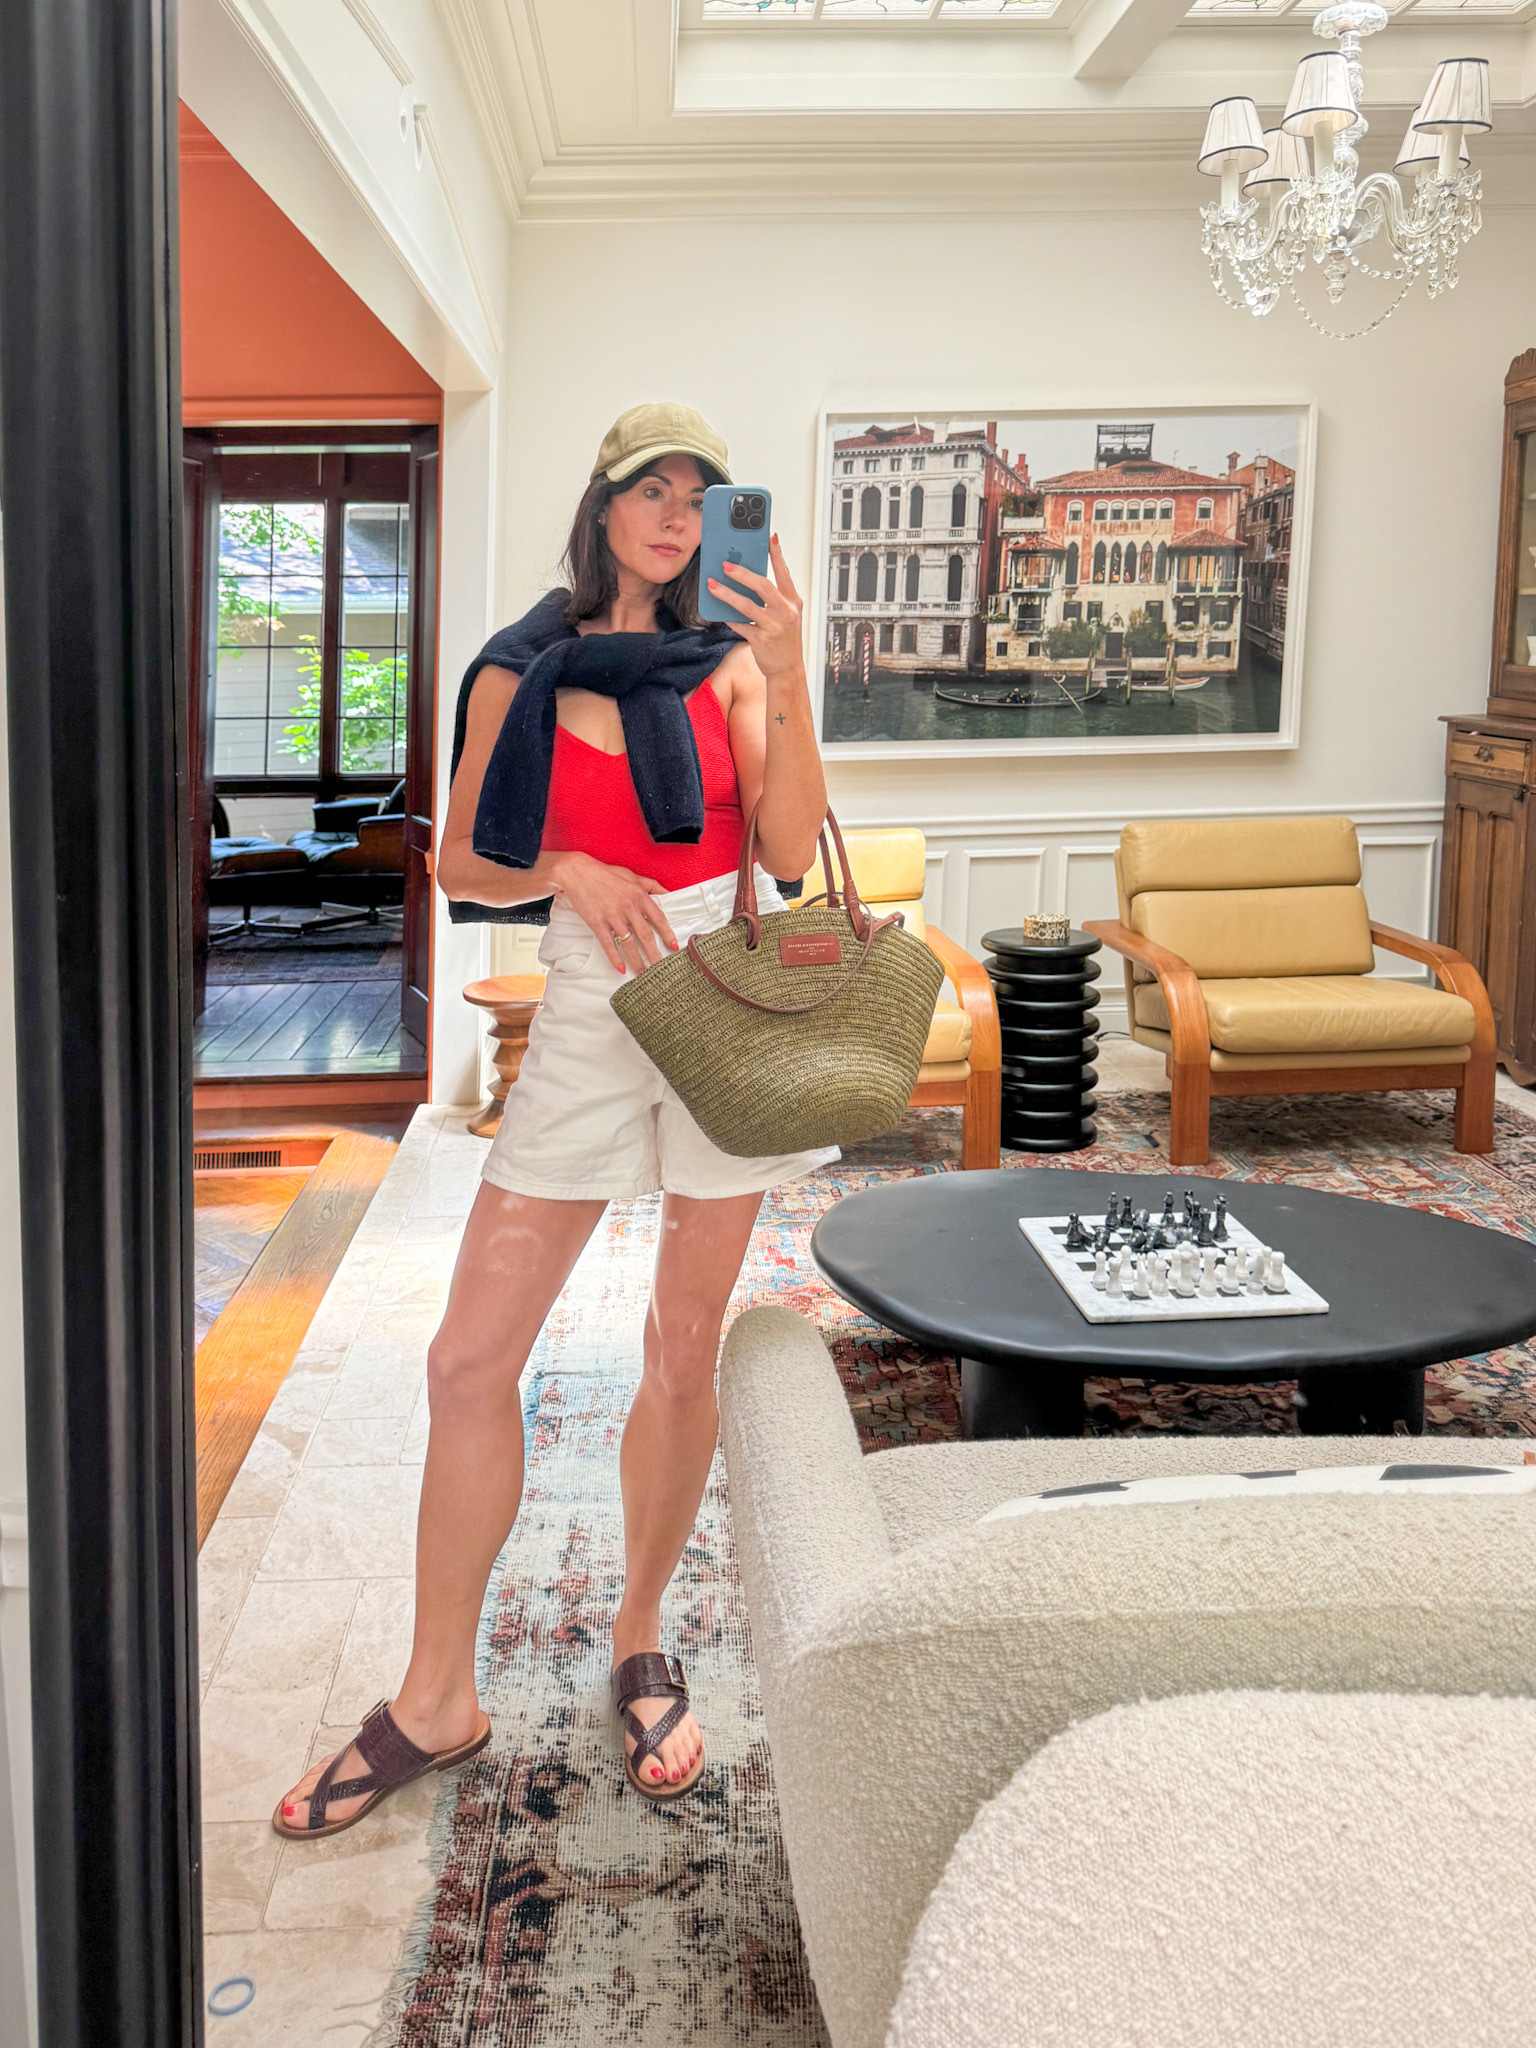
(268, 329)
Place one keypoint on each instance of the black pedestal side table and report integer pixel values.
(1045, 1007)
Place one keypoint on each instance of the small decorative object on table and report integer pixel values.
(1046, 928)
(1198, 1265)
(1044, 1009)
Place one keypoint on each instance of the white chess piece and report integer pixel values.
(1208, 1272)
(1226, 1277)
(1141, 1287)
(1159, 1275)
(1115, 1270)
(1100, 1271)
(1274, 1279)
(1238, 1260)
(1184, 1274)
(1257, 1265)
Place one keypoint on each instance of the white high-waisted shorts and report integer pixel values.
(590, 1116)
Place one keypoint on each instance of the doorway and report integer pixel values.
(312, 601)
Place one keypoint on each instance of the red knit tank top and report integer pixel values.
(593, 807)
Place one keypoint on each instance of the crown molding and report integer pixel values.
(511, 148)
(1018, 178)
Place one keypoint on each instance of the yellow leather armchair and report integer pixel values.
(962, 1061)
(1248, 955)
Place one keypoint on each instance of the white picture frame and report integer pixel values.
(1293, 425)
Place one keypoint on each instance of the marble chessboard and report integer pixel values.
(1074, 1271)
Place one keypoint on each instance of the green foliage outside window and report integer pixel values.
(1075, 641)
(371, 684)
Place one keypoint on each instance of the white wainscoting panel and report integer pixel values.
(1004, 885)
(1399, 872)
(1087, 885)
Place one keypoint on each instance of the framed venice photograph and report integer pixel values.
(1107, 581)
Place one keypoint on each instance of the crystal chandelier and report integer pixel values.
(1281, 208)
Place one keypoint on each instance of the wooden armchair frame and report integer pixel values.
(979, 1095)
(1192, 1082)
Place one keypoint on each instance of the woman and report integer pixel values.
(559, 794)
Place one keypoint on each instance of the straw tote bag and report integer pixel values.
(789, 1031)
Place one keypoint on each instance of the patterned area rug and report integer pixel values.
(566, 1912)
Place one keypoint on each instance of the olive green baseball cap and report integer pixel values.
(647, 432)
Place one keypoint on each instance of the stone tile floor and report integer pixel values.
(305, 1605)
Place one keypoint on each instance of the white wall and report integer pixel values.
(762, 324)
(18, 1958)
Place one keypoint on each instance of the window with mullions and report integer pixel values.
(271, 609)
(375, 628)
(270, 689)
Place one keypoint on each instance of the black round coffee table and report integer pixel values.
(940, 1258)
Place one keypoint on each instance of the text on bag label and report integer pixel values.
(810, 949)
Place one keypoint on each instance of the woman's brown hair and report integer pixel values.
(589, 568)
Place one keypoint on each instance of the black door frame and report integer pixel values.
(90, 465)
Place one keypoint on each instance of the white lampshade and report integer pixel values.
(1285, 160)
(1234, 141)
(1418, 149)
(1458, 97)
(1321, 102)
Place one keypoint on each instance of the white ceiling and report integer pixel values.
(601, 109)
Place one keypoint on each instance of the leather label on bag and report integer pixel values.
(810, 949)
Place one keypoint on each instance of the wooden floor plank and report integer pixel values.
(253, 1021)
(404, 1061)
(242, 1361)
(337, 1037)
(225, 997)
(377, 1036)
(229, 1007)
(287, 1037)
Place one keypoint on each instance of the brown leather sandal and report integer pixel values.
(393, 1760)
(649, 1675)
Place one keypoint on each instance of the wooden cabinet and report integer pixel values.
(1488, 870)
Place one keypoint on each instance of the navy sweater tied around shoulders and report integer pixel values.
(647, 674)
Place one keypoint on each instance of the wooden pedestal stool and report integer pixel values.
(511, 1000)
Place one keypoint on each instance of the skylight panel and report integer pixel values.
(892, 10)
(738, 10)
(882, 10)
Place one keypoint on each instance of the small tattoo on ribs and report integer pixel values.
(779, 716)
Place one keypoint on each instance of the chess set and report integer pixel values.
(1191, 1265)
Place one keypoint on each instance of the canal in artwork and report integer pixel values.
(904, 707)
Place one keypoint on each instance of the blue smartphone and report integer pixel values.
(737, 523)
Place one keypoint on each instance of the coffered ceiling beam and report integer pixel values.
(1115, 37)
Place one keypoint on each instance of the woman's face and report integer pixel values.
(653, 528)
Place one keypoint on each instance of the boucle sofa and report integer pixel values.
(1300, 1870)
(911, 1661)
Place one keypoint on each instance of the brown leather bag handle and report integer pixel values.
(872, 930)
(847, 899)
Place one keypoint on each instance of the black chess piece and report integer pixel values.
(1111, 1209)
(1219, 1227)
(1205, 1237)
(1143, 1219)
(1100, 1240)
(1164, 1238)
(1190, 1205)
(1077, 1237)
(1168, 1212)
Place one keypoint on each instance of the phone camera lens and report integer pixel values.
(758, 505)
(756, 519)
